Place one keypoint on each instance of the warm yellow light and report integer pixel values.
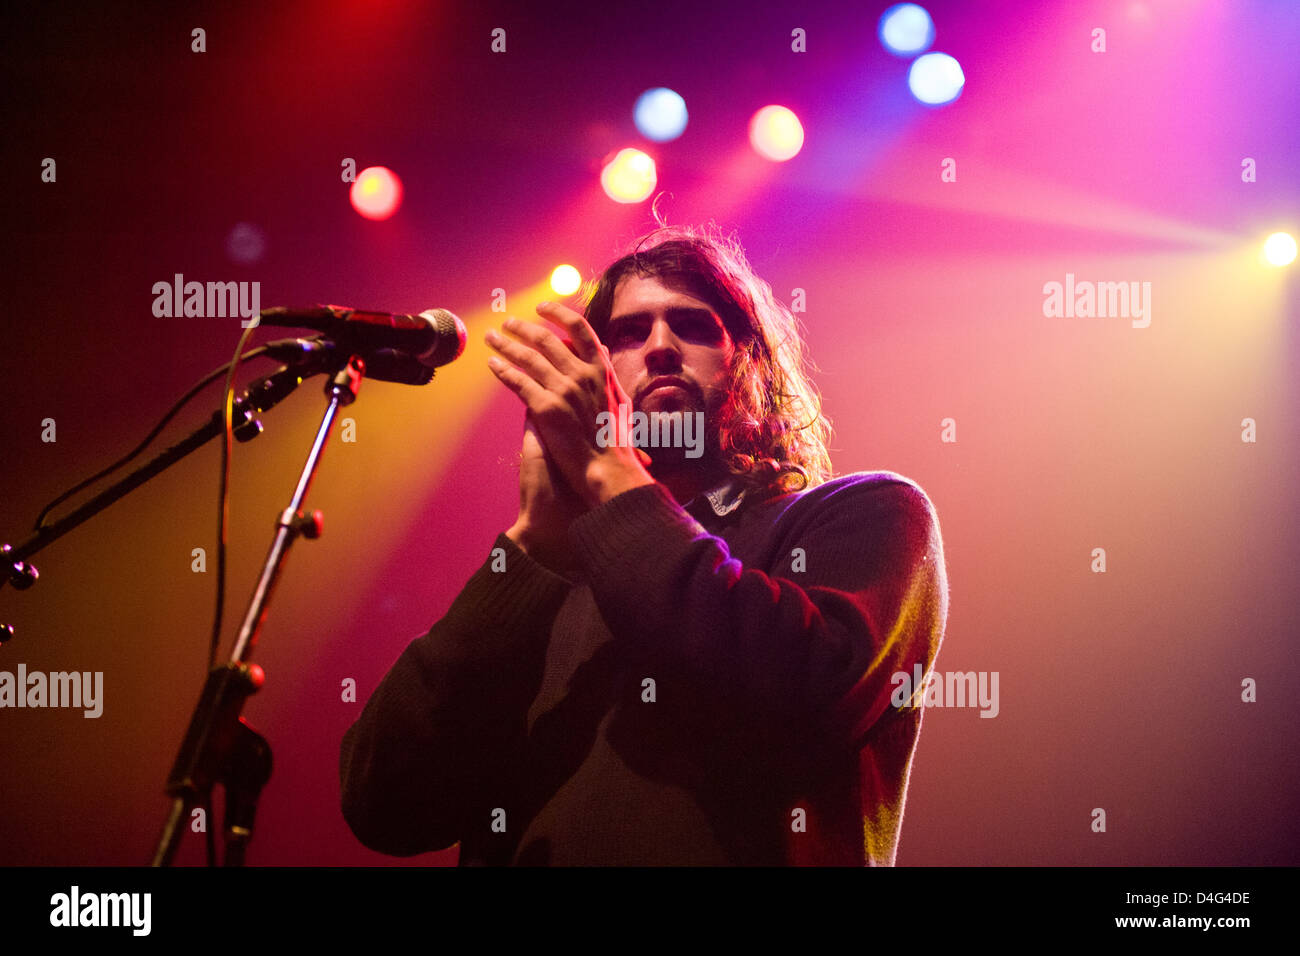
(629, 177)
(776, 133)
(1279, 249)
(565, 280)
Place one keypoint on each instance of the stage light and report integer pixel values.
(660, 114)
(906, 30)
(935, 78)
(377, 192)
(565, 280)
(776, 133)
(629, 177)
(1279, 249)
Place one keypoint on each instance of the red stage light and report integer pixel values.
(377, 192)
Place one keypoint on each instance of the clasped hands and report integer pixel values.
(564, 471)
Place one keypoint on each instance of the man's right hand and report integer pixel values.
(547, 506)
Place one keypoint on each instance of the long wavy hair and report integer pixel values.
(771, 430)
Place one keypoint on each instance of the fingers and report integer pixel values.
(587, 345)
(522, 384)
(550, 360)
(537, 342)
(526, 359)
(562, 383)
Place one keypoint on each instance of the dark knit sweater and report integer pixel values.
(713, 689)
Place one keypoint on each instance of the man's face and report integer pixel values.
(670, 351)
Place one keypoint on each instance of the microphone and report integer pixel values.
(433, 338)
(382, 365)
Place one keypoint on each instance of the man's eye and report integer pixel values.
(701, 330)
(623, 336)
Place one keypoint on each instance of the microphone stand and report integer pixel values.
(220, 746)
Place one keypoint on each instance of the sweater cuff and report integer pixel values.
(621, 527)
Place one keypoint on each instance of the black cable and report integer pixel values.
(223, 511)
(223, 518)
(202, 384)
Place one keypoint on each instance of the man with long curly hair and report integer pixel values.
(674, 656)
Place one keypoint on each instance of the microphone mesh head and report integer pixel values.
(451, 337)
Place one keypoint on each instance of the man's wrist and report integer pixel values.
(553, 556)
(609, 481)
(518, 533)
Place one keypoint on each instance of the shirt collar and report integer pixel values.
(724, 499)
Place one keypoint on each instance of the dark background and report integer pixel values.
(1118, 690)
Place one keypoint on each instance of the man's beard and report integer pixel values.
(688, 439)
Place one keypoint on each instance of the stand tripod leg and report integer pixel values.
(245, 776)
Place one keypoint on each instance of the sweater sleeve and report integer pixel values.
(444, 721)
(815, 641)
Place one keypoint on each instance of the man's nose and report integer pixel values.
(662, 346)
